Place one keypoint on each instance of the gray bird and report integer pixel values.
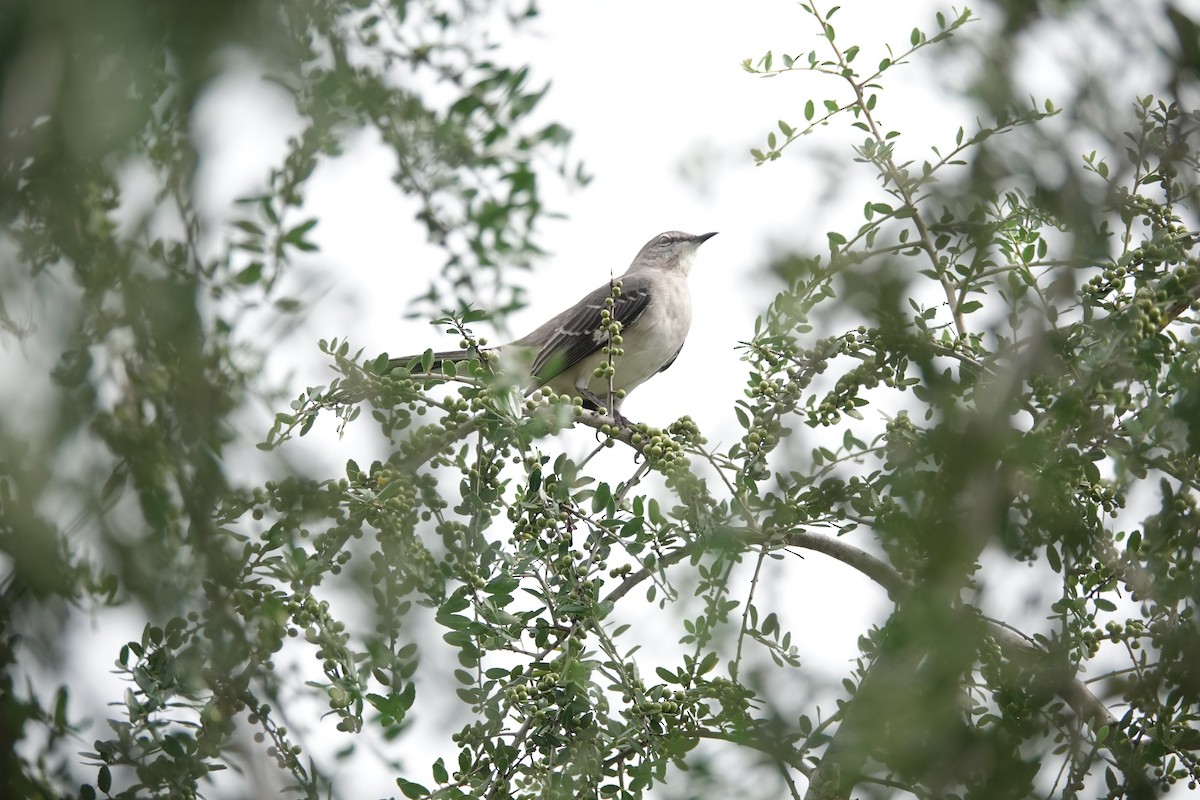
(654, 308)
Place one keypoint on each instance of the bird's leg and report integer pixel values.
(593, 402)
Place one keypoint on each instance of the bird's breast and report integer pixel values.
(654, 339)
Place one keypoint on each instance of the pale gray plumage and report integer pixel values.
(654, 308)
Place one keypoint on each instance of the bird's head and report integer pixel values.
(673, 250)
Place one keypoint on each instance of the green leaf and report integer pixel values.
(406, 696)
(60, 707)
(104, 779)
(502, 585)
(410, 789)
(602, 499)
(248, 227)
(251, 274)
(454, 603)
(1053, 559)
(296, 236)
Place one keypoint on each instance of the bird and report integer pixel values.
(653, 305)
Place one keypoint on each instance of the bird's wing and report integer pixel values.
(574, 334)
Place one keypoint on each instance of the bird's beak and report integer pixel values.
(704, 237)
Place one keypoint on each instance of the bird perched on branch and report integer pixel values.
(568, 354)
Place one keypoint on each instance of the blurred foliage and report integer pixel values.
(112, 496)
(998, 366)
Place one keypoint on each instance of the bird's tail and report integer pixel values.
(418, 365)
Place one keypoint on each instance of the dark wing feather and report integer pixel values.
(572, 335)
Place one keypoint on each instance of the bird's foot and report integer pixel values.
(594, 403)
